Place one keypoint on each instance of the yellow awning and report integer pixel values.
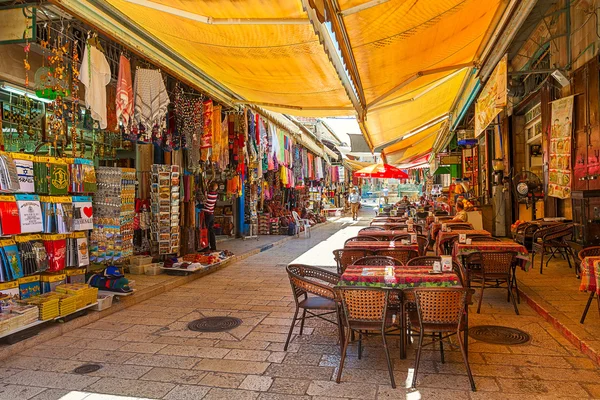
(416, 151)
(403, 48)
(268, 63)
(413, 140)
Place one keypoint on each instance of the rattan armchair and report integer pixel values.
(401, 255)
(460, 227)
(497, 268)
(440, 313)
(377, 261)
(313, 294)
(404, 227)
(365, 311)
(424, 261)
(345, 257)
(361, 239)
(482, 238)
(372, 228)
(593, 251)
(422, 241)
(554, 239)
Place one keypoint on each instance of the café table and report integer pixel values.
(404, 278)
(385, 234)
(590, 281)
(444, 236)
(387, 225)
(382, 245)
(435, 227)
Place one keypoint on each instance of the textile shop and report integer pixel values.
(104, 168)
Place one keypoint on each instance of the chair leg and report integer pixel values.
(466, 360)
(418, 359)
(442, 348)
(359, 345)
(340, 327)
(302, 322)
(481, 295)
(287, 342)
(515, 284)
(587, 306)
(343, 355)
(389, 361)
(512, 296)
(542, 262)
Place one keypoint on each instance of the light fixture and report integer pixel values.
(22, 92)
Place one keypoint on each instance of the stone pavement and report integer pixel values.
(147, 352)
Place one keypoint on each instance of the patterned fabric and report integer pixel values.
(384, 234)
(403, 278)
(461, 250)
(151, 98)
(442, 236)
(382, 244)
(589, 275)
(124, 98)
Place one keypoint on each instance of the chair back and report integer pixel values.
(297, 218)
(345, 257)
(362, 239)
(372, 228)
(377, 261)
(461, 227)
(459, 270)
(400, 255)
(593, 251)
(440, 306)
(398, 227)
(440, 213)
(363, 304)
(306, 279)
(482, 238)
(424, 260)
(496, 262)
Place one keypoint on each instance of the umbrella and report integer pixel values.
(385, 171)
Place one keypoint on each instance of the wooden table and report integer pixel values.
(404, 278)
(443, 236)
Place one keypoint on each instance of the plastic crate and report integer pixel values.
(140, 260)
(154, 269)
(137, 269)
(104, 302)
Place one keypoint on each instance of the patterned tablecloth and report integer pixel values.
(403, 278)
(386, 234)
(435, 227)
(589, 275)
(442, 236)
(460, 250)
(381, 244)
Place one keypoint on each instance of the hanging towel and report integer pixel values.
(95, 75)
(151, 98)
(124, 99)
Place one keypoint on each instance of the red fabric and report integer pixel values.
(384, 171)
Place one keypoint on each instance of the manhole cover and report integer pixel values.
(87, 368)
(499, 334)
(214, 324)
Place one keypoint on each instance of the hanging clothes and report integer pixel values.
(275, 145)
(151, 98)
(124, 99)
(95, 75)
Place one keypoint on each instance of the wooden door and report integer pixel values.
(593, 153)
(579, 149)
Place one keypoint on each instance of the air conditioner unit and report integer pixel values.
(561, 78)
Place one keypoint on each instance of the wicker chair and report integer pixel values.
(313, 292)
(440, 213)
(481, 238)
(361, 239)
(365, 311)
(404, 227)
(422, 241)
(401, 255)
(424, 261)
(440, 311)
(377, 261)
(345, 257)
(593, 251)
(372, 228)
(553, 239)
(461, 227)
(496, 267)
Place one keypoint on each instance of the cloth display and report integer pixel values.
(95, 75)
(151, 98)
(124, 99)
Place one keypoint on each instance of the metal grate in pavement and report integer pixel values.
(87, 368)
(214, 324)
(499, 335)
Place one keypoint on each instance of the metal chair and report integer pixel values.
(496, 267)
(345, 257)
(361, 239)
(593, 251)
(554, 239)
(365, 311)
(306, 281)
(377, 261)
(401, 255)
(440, 311)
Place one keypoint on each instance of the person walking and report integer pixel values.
(386, 195)
(209, 214)
(354, 199)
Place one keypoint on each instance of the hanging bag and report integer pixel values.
(203, 236)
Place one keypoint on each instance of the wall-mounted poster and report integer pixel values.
(559, 174)
(17, 24)
(493, 97)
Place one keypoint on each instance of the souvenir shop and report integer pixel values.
(105, 163)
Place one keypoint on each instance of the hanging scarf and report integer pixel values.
(151, 98)
(124, 96)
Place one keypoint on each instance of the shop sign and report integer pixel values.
(17, 24)
(451, 159)
(493, 97)
(559, 173)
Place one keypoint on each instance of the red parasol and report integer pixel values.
(385, 171)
